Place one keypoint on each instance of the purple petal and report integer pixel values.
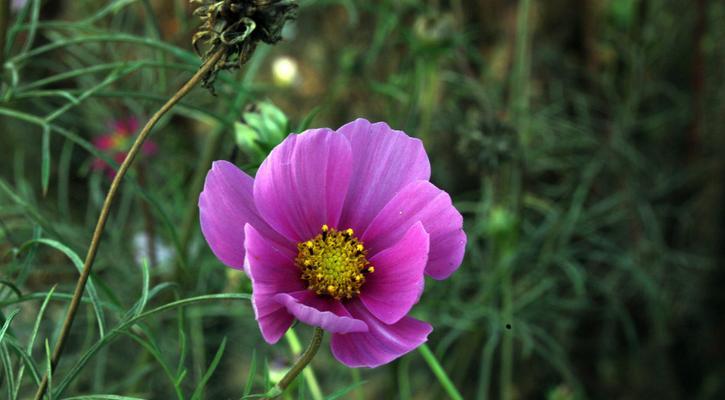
(225, 205)
(303, 183)
(397, 283)
(422, 201)
(272, 271)
(383, 162)
(382, 344)
(314, 310)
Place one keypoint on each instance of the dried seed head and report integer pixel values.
(238, 26)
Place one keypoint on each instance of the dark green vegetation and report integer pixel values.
(582, 140)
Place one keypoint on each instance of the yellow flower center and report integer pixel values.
(119, 141)
(333, 263)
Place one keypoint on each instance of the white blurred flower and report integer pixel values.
(164, 253)
(285, 71)
(17, 4)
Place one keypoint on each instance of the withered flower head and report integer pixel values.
(238, 25)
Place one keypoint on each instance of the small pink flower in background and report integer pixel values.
(117, 141)
(337, 230)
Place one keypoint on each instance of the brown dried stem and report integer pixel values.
(103, 217)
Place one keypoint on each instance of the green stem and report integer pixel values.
(105, 210)
(439, 372)
(298, 366)
(308, 373)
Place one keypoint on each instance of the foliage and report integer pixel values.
(582, 147)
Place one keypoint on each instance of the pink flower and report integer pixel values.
(117, 141)
(337, 230)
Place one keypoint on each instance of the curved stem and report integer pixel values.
(300, 365)
(110, 196)
(307, 373)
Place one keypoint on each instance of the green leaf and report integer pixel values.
(95, 301)
(33, 336)
(12, 287)
(141, 304)
(45, 163)
(153, 349)
(9, 377)
(118, 330)
(252, 372)
(339, 393)
(439, 372)
(307, 121)
(48, 369)
(6, 325)
(210, 371)
(102, 397)
(199, 391)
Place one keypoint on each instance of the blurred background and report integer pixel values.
(581, 139)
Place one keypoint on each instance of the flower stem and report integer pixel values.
(439, 372)
(308, 373)
(298, 366)
(103, 217)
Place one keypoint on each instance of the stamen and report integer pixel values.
(333, 263)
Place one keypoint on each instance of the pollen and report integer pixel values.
(333, 263)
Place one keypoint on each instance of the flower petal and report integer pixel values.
(397, 283)
(383, 162)
(103, 142)
(314, 310)
(225, 205)
(422, 201)
(303, 182)
(382, 344)
(271, 269)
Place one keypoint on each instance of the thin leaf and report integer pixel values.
(199, 391)
(307, 121)
(45, 160)
(12, 287)
(8, 368)
(33, 336)
(76, 260)
(115, 332)
(252, 372)
(103, 397)
(48, 370)
(439, 372)
(339, 393)
(6, 325)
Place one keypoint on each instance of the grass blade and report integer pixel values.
(252, 372)
(115, 332)
(76, 260)
(439, 372)
(212, 367)
(45, 160)
(33, 336)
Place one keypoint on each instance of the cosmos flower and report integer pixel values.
(117, 141)
(337, 230)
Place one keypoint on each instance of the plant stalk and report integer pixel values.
(103, 217)
(298, 366)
